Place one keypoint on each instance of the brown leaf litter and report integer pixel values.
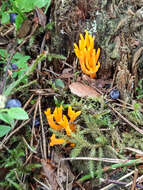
(83, 90)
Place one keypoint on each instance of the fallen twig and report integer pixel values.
(134, 180)
(112, 167)
(109, 186)
(126, 120)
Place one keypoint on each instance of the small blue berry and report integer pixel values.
(12, 17)
(37, 122)
(13, 103)
(14, 66)
(114, 94)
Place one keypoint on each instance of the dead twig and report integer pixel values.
(139, 180)
(112, 182)
(47, 70)
(126, 120)
(135, 179)
(29, 147)
(8, 31)
(42, 184)
(41, 50)
(109, 160)
(43, 133)
(33, 123)
(134, 150)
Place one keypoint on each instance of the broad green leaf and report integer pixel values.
(4, 110)
(18, 113)
(18, 56)
(21, 62)
(24, 5)
(59, 83)
(5, 18)
(27, 6)
(4, 129)
(19, 21)
(6, 118)
(41, 3)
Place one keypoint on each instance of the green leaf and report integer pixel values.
(5, 18)
(47, 6)
(41, 3)
(4, 129)
(59, 83)
(19, 21)
(27, 6)
(21, 62)
(31, 68)
(6, 118)
(24, 5)
(18, 113)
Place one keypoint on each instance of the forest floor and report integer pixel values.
(71, 126)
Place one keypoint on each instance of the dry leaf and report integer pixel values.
(66, 76)
(49, 172)
(24, 29)
(64, 165)
(41, 17)
(83, 90)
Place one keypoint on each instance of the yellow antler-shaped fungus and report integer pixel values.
(59, 121)
(87, 55)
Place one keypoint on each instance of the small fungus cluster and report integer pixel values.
(59, 121)
(87, 55)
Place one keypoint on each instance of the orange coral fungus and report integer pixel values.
(72, 114)
(50, 118)
(87, 55)
(61, 121)
(55, 141)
